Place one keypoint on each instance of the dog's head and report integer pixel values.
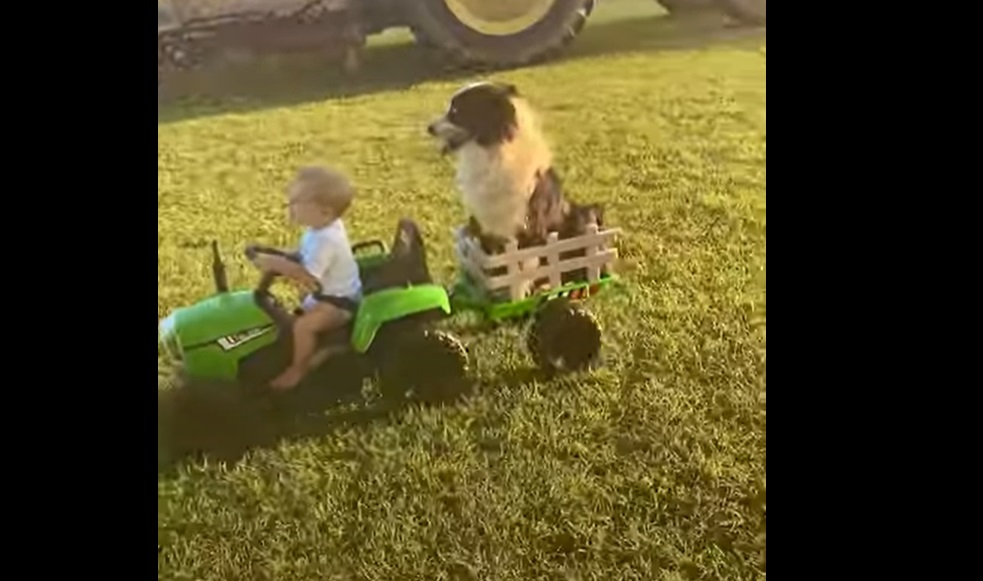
(483, 113)
(579, 217)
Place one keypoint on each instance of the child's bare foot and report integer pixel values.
(288, 380)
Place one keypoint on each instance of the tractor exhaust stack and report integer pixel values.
(218, 270)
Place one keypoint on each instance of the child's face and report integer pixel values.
(303, 209)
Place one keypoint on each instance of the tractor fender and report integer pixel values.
(382, 308)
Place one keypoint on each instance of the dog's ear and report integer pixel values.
(499, 125)
(504, 133)
(580, 216)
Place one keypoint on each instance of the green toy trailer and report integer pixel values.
(564, 335)
(244, 337)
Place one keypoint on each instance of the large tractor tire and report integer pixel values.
(753, 12)
(503, 33)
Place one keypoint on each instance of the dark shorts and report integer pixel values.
(342, 303)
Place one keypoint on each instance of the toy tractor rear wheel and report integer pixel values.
(503, 33)
(427, 366)
(565, 337)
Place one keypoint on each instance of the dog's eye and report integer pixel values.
(453, 112)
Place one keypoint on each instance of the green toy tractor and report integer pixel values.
(244, 337)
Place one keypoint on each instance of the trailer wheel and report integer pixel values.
(565, 337)
(504, 33)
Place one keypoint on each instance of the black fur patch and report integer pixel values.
(548, 211)
(576, 223)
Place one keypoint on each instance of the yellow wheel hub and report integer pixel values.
(499, 17)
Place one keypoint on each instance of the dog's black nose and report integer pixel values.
(432, 129)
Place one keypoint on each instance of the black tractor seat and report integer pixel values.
(405, 266)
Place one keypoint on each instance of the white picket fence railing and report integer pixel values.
(598, 256)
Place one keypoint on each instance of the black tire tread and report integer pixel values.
(428, 350)
(563, 318)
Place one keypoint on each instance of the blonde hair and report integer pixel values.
(326, 187)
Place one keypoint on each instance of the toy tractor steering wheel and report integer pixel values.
(268, 278)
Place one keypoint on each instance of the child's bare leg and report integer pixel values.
(320, 319)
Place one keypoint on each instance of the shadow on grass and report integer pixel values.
(400, 66)
(222, 424)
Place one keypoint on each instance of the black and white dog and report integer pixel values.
(505, 170)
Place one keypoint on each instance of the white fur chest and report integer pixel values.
(494, 190)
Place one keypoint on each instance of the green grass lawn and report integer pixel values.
(653, 468)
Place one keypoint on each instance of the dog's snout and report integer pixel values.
(432, 129)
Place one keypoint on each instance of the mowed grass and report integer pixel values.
(653, 468)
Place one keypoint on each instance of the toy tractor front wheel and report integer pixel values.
(427, 366)
(565, 337)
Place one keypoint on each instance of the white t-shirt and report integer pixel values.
(327, 254)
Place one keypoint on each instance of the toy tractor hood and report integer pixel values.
(210, 339)
(228, 317)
